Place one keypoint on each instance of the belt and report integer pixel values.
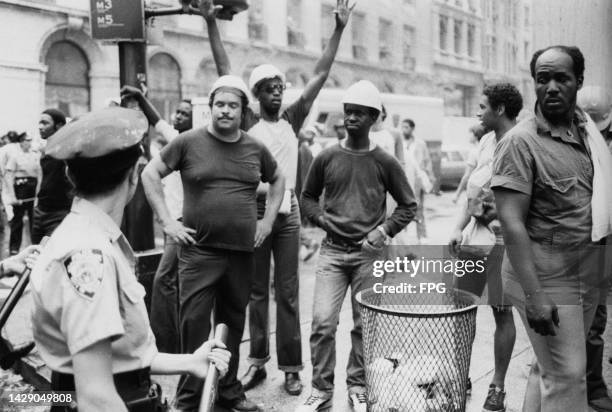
(342, 242)
(134, 388)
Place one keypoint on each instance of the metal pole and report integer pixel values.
(138, 217)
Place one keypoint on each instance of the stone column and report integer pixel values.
(275, 19)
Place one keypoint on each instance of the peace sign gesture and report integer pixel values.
(343, 12)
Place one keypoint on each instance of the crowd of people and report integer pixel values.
(235, 195)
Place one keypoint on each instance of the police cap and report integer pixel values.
(98, 134)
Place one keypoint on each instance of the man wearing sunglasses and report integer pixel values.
(278, 130)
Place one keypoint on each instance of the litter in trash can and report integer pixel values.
(417, 350)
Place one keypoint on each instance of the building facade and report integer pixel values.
(437, 48)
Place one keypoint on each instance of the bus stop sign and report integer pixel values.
(117, 20)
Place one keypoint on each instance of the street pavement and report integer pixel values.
(270, 396)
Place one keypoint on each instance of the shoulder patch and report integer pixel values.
(85, 270)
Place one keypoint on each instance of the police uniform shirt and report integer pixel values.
(85, 290)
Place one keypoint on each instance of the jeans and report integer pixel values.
(164, 300)
(283, 243)
(220, 279)
(16, 225)
(557, 381)
(338, 268)
(596, 386)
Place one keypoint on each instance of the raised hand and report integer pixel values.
(208, 10)
(343, 12)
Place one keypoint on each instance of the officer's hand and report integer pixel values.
(542, 314)
(263, 230)
(211, 351)
(24, 259)
(180, 233)
(454, 244)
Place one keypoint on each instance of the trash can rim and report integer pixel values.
(433, 314)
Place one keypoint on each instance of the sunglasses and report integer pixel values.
(274, 88)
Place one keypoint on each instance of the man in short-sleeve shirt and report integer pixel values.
(278, 130)
(543, 178)
(221, 168)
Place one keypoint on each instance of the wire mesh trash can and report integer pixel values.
(417, 350)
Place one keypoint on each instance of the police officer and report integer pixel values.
(89, 318)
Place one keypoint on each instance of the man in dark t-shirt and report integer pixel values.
(356, 175)
(221, 168)
(55, 195)
(278, 130)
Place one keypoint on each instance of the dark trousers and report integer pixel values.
(16, 225)
(283, 243)
(220, 279)
(596, 386)
(164, 300)
(45, 222)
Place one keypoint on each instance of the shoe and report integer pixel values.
(601, 404)
(253, 377)
(496, 400)
(244, 405)
(293, 384)
(358, 401)
(315, 403)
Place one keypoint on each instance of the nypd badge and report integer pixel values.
(85, 270)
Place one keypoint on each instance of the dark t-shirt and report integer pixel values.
(356, 186)
(219, 183)
(55, 189)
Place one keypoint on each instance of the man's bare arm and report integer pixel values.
(152, 176)
(276, 190)
(324, 64)
(209, 12)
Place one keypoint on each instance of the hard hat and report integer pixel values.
(596, 102)
(363, 93)
(98, 134)
(232, 82)
(264, 72)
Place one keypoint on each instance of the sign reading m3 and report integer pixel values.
(116, 20)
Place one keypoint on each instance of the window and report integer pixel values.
(164, 83)
(526, 52)
(358, 35)
(295, 36)
(67, 82)
(490, 53)
(385, 36)
(471, 40)
(327, 22)
(443, 32)
(408, 47)
(458, 36)
(257, 28)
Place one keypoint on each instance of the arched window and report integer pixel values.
(67, 82)
(164, 83)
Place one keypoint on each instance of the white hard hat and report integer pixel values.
(264, 72)
(363, 93)
(230, 81)
(597, 103)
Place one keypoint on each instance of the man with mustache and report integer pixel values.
(551, 183)
(278, 131)
(221, 167)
